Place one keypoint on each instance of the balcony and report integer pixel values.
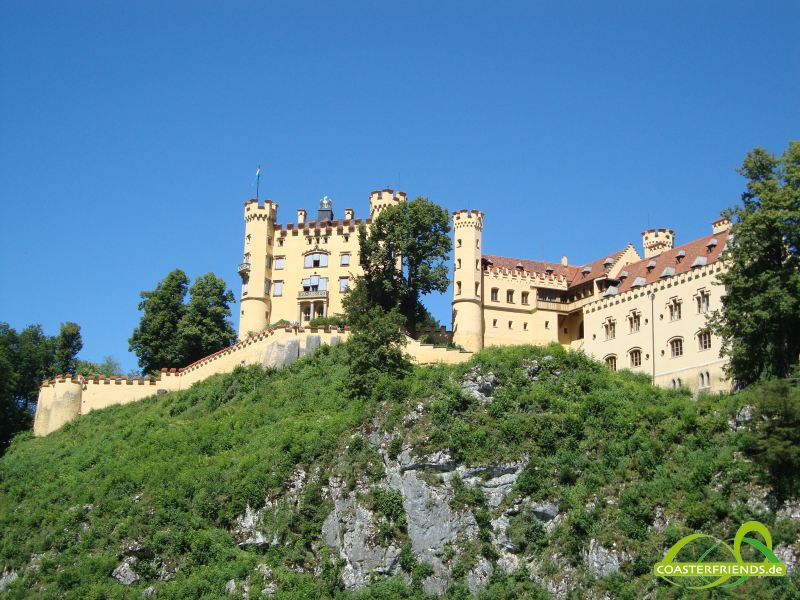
(243, 269)
(312, 295)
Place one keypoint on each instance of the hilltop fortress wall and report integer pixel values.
(65, 397)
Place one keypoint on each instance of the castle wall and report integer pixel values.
(693, 362)
(64, 398)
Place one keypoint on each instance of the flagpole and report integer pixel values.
(258, 180)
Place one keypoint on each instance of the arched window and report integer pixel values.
(611, 362)
(676, 347)
(636, 357)
(704, 340)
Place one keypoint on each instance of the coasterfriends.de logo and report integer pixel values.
(708, 570)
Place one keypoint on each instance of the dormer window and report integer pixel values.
(667, 272)
(549, 270)
(638, 282)
(651, 265)
(608, 262)
(712, 243)
(519, 266)
(680, 255)
(586, 270)
(622, 275)
(700, 261)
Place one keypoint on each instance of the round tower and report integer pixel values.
(256, 266)
(467, 280)
(383, 199)
(656, 241)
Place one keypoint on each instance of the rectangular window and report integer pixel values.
(345, 260)
(244, 289)
(494, 322)
(635, 321)
(511, 324)
(676, 347)
(458, 288)
(277, 288)
(702, 302)
(525, 297)
(344, 282)
(705, 340)
(495, 291)
(315, 260)
(675, 310)
(510, 296)
(610, 329)
(279, 260)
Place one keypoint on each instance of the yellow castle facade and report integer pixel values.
(644, 312)
(300, 271)
(641, 312)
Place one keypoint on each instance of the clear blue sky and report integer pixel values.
(130, 131)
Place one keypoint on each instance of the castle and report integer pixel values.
(646, 314)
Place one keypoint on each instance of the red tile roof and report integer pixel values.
(573, 273)
(693, 249)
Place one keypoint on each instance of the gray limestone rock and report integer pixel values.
(247, 530)
(124, 572)
(599, 560)
(148, 592)
(479, 385)
(230, 587)
(292, 351)
(789, 554)
(7, 578)
(741, 418)
(479, 575)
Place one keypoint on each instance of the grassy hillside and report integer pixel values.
(632, 467)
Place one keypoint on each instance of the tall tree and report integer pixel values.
(204, 327)
(26, 359)
(155, 341)
(68, 344)
(404, 256)
(760, 317)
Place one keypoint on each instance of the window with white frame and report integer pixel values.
(635, 321)
(676, 347)
(315, 283)
(610, 328)
(674, 307)
(316, 260)
(704, 340)
(345, 262)
(636, 357)
(277, 288)
(703, 299)
(344, 283)
(279, 262)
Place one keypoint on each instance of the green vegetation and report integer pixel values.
(173, 473)
(760, 317)
(172, 333)
(27, 358)
(404, 256)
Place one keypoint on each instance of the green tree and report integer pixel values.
(109, 366)
(204, 327)
(760, 317)
(68, 344)
(773, 439)
(404, 256)
(26, 359)
(155, 341)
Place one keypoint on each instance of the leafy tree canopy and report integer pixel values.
(172, 333)
(204, 327)
(404, 256)
(760, 317)
(68, 344)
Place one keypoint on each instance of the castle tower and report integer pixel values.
(383, 199)
(467, 280)
(256, 266)
(656, 241)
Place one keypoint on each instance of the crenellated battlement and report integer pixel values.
(380, 200)
(468, 218)
(256, 211)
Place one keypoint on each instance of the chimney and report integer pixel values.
(301, 216)
(564, 260)
(348, 214)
